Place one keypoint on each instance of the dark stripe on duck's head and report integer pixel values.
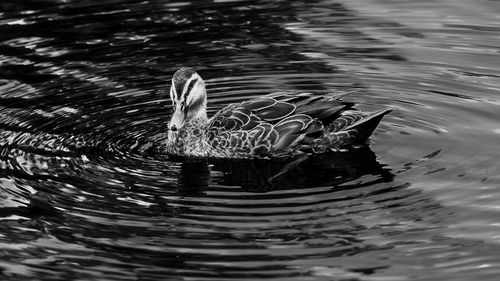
(180, 77)
(189, 88)
(196, 103)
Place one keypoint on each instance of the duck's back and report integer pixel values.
(285, 124)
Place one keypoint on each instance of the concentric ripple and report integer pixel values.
(83, 90)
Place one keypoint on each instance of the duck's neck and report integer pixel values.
(201, 115)
(199, 121)
(191, 139)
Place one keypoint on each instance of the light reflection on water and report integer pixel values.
(83, 86)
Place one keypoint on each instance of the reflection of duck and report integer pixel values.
(327, 169)
(262, 175)
(276, 125)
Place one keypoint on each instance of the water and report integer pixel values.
(84, 84)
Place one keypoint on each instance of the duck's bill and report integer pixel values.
(177, 120)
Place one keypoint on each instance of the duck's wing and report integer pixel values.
(274, 108)
(275, 124)
(249, 114)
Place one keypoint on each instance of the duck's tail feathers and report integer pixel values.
(366, 125)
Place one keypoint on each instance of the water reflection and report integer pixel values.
(307, 171)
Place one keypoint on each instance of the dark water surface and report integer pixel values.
(83, 85)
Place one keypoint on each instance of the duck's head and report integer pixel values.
(189, 98)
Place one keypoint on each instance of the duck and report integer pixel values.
(276, 125)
